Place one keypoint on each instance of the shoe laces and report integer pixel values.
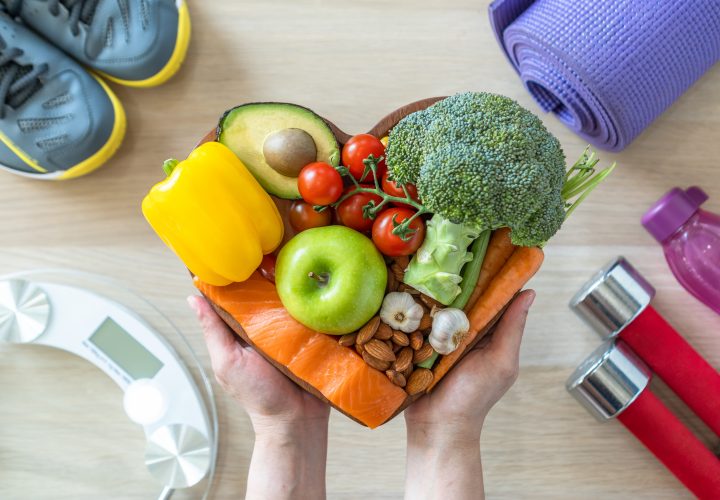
(17, 82)
(79, 10)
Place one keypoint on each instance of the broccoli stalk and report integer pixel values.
(435, 268)
(471, 271)
(580, 180)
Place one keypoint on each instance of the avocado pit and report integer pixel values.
(288, 150)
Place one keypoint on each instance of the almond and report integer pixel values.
(380, 350)
(347, 340)
(409, 371)
(368, 331)
(384, 332)
(403, 261)
(404, 359)
(397, 271)
(396, 378)
(396, 348)
(392, 283)
(423, 354)
(416, 340)
(419, 381)
(429, 301)
(425, 322)
(359, 348)
(400, 338)
(373, 362)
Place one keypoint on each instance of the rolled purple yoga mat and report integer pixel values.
(608, 68)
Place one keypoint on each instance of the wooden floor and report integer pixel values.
(62, 430)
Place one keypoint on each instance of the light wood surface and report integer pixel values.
(62, 430)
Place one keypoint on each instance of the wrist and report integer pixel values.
(276, 428)
(443, 436)
(289, 458)
(443, 461)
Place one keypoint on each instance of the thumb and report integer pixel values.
(218, 337)
(505, 343)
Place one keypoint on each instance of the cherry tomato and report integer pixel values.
(320, 184)
(394, 189)
(267, 267)
(390, 244)
(357, 149)
(303, 216)
(350, 211)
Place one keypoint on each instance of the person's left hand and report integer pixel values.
(266, 394)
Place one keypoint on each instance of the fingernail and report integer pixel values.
(529, 298)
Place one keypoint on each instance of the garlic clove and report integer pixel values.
(400, 311)
(449, 328)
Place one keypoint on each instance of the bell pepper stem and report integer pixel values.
(169, 166)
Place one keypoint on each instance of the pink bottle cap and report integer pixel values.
(672, 211)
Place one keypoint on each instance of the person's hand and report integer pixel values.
(267, 395)
(466, 394)
(443, 427)
(290, 424)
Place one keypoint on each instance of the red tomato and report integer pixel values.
(303, 216)
(267, 267)
(350, 211)
(357, 149)
(394, 189)
(390, 244)
(320, 184)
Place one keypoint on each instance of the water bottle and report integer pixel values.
(690, 238)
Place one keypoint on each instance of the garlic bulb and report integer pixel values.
(400, 311)
(449, 328)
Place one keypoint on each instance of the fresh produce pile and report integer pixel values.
(378, 264)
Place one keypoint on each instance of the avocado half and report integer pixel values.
(244, 129)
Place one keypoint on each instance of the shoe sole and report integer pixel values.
(89, 164)
(182, 41)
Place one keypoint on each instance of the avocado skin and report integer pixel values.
(247, 142)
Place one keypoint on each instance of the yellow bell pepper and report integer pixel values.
(214, 215)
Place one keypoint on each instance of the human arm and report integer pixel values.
(290, 425)
(443, 428)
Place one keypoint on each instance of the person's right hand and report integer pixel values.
(464, 397)
(443, 427)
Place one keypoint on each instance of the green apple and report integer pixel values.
(331, 279)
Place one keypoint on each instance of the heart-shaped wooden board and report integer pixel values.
(381, 129)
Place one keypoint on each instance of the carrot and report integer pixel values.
(498, 252)
(519, 268)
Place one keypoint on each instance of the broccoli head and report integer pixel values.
(483, 159)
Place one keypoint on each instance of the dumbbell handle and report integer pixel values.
(673, 444)
(677, 364)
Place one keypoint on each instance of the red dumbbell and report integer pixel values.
(616, 304)
(613, 383)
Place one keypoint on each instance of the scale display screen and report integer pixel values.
(125, 351)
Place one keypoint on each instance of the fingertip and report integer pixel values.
(192, 301)
(527, 297)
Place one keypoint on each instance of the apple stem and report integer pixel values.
(322, 279)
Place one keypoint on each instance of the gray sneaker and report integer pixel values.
(140, 43)
(56, 120)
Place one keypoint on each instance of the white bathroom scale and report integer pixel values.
(164, 391)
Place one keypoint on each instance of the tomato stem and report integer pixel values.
(371, 210)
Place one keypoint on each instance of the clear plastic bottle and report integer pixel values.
(691, 240)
